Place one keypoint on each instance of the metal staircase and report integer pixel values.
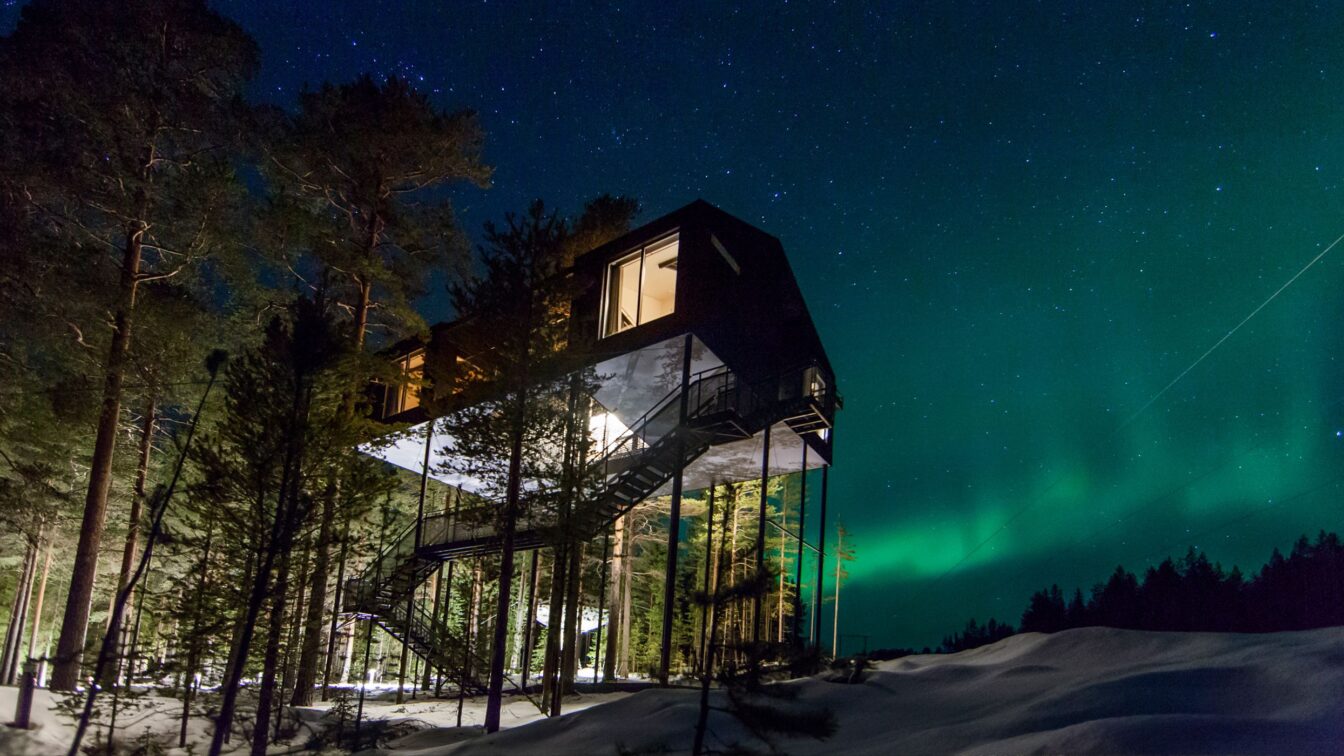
(719, 408)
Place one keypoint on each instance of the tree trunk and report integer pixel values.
(601, 599)
(306, 674)
(570, 647)
(261, 730)
(551, 661)
(712, 603)
(279, 541)
(335, 616)
(18, 617)
(405, 660)
(530, 618)
(615, 615)
(41, 596)
(451, 500)
(240, 628)
(469, 630)
(627, 603)
(495, 691)
(295, 626)
(477, 587)
(70, 648)
(113, 673)
(518, 607)
(196, 644)
(447, 613)
(349, 653)
(317, 592)
(434, 593)
(138, 497)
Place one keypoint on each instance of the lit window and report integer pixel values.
(406, 394)
(815, 383)
(641, 286)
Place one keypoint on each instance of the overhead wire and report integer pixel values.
(1153, 502)
(1031, 504)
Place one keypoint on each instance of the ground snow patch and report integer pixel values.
(1091, 690)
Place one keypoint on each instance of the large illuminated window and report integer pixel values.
(641, 286)
(405, 395)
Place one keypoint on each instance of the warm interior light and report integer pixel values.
(642, 286)
(605, 429)
(406, 395)
(659, 293)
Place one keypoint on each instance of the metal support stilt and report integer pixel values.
(821, 561)
(758, 614)
(674, 524)
(798, 568)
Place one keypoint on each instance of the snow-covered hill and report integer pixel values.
(1092, 690)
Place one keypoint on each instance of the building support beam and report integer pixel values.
(709, 601)
(758, 614)
(821, 562)
(419, 535)
(674, 522)
(601, 599)
(798, 567)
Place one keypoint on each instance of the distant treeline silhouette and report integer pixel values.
(1305, 590)
(975, 635)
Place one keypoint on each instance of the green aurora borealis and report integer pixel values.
(1095, 220)
(1014, 224)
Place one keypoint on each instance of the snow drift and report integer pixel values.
(1095, 690)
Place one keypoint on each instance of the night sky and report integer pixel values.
(1014, 223)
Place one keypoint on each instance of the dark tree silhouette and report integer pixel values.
(1302, 591)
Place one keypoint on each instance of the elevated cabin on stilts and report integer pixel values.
(710, 371)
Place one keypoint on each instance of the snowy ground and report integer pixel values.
(158, 718)
(1093, 690)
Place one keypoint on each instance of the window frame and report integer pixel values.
(395, 401)
(612, 268)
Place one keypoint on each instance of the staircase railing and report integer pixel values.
(433, 641)
(711, 395)
(662, 418)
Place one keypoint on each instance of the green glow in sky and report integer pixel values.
(1076, 233)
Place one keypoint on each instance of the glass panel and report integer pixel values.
(415, 371)
(404, 396)
(659, 294)
(816, 383)
(622, 295)
(642, 287)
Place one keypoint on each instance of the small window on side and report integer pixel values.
(405, 395)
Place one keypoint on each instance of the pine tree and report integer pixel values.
(843, 554)
(359, 172)
(525, 418)
(121, 119)
(282, 428)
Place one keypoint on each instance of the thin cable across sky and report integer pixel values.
(1146, 406)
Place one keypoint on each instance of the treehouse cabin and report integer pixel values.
(709, 371)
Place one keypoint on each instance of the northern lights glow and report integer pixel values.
(1014, 225)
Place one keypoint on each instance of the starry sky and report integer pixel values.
(1015, 224)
